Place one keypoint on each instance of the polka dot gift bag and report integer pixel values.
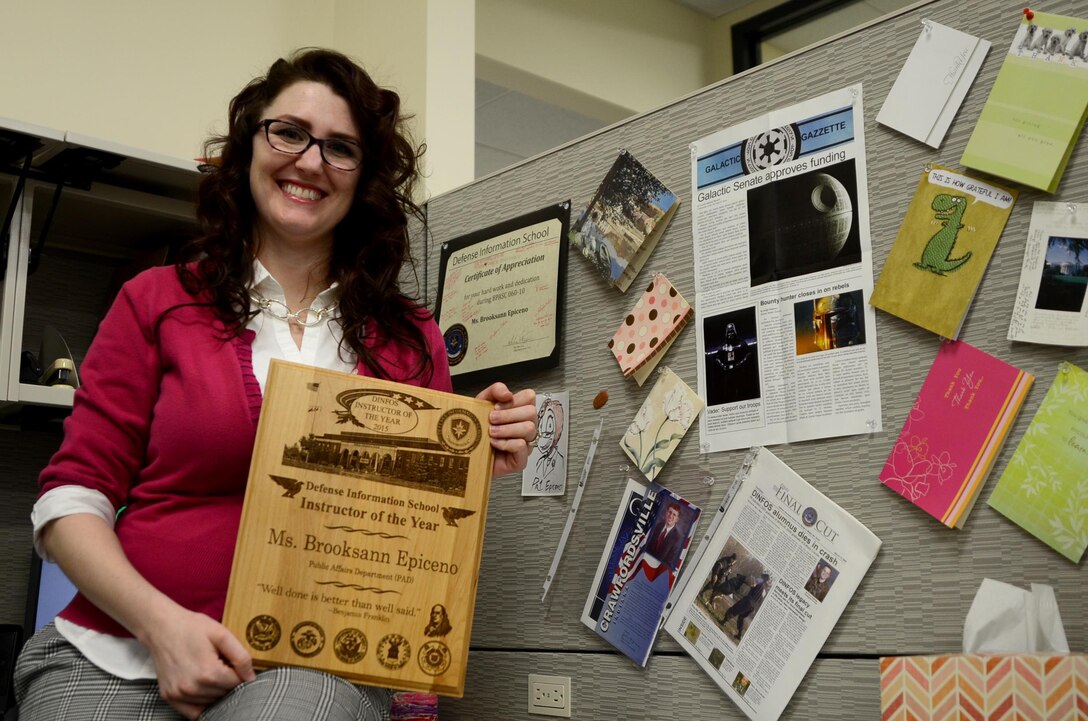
(650, 328)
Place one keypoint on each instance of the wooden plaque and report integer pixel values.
(359, 546)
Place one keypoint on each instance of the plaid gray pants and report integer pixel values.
(54, 681)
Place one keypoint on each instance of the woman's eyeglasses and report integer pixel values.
(289, 138)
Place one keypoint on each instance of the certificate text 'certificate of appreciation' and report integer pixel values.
(359, 545)
(500, 292)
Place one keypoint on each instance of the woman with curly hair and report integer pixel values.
(304, 214)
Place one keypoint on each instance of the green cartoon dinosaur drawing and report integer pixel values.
(936, 256)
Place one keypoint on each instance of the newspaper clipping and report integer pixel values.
(775, 571)
(783, 273)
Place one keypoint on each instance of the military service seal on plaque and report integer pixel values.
(434, 658)
(350, 645)
(459, 431)
(263, 632)
(307, 639)
(394, 651)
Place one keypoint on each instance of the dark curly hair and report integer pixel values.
(370, 244)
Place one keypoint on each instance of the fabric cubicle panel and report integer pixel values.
(925, 577)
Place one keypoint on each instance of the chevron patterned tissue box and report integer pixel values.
(991, 687)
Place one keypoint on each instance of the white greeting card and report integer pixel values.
(1052, 302)
(933, 83)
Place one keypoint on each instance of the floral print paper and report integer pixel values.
(954, 431)
(661, 423)
(1044, 489)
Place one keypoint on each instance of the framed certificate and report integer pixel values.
(500, 295)
(359, 546)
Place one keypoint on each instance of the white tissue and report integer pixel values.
(1007, 619)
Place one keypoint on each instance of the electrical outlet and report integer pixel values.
(549, 695)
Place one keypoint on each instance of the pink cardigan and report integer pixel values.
(164, 424)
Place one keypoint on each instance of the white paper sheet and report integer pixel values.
(1007, 619)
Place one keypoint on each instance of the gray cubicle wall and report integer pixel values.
(916, 595)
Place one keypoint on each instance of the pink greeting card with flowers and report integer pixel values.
(954, 431)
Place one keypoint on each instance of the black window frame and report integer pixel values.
(749, 34)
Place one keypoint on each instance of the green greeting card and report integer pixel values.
(949, 233)
(1044, 489)
(1037, 107)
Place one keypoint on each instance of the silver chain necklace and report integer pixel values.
(280, 311)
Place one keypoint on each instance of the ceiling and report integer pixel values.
(833, 23)
(715, 8)
(817, 29)
(511, 126)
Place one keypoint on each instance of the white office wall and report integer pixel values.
(625, 55)
(424, 49)
(390, 40)
(158, 75)
(451, 85)
(152, 75)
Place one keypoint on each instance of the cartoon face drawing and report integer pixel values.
(547, 431)
(549, 425)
